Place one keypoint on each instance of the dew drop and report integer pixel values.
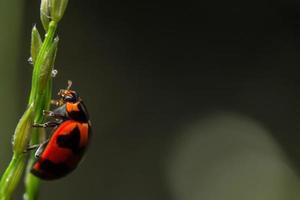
(54, 73)
(30, 60)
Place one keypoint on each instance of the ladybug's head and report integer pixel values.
(68, 95)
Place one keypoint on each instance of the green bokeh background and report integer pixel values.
(188, 101)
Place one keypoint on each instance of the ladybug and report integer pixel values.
(61, 154)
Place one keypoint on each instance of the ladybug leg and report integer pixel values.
(32, 147)
(56, 102)
(40, 149)
(48, 113)
(47, 124)
(53, 114)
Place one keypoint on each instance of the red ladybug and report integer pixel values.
(61, 154)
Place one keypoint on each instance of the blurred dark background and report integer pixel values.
(188, 100)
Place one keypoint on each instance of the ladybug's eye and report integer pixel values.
(71, 97)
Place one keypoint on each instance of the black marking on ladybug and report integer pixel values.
(50, 170)
(81, 115)
(70, 141)
(38, 173)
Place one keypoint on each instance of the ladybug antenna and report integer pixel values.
(69, 84)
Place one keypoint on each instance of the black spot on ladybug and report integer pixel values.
(81, 115)
(70, 141)
(50, 170)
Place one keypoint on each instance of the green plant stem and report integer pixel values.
(38, 101)
(13, 173)
(12, 176)
(32, 183)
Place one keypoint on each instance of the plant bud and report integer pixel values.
(45, 13)
(57, 9)
(36, 43)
